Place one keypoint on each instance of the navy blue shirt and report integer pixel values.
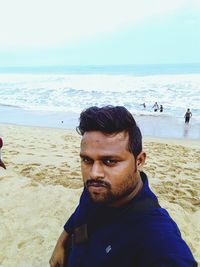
(137, 234)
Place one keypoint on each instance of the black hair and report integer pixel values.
(111, 119)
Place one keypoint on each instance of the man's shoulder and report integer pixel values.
(156, 233)
(151, 225)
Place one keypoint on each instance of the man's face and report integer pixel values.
(109, 170)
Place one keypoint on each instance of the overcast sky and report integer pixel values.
(73, 32)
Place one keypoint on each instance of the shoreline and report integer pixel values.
(150, 125)
(187, 142)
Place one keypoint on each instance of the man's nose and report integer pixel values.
(97, 171)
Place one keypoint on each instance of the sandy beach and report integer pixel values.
(42, 185)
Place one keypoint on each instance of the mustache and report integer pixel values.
(94, 182)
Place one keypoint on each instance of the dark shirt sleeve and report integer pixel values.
(69, 225)
(80, 214)
(170, 260)
(164, 247)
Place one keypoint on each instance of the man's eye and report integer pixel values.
(86, 160)
(110, 162)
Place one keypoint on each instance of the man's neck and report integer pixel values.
(128, 198)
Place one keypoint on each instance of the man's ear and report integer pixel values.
(140, 160)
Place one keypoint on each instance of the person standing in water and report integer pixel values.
(155, 107)
(187, 116)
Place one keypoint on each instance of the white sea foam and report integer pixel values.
(74, 92)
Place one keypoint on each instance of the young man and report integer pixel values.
(118, 221)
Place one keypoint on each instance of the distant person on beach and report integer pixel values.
(155, 106)
(144, 105)
(1, 162)
(161, 108)
(188, 115)
(118, 221)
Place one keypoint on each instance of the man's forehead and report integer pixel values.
(98, 144)
(97, 136)
(94, 139)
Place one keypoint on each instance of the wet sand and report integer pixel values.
(152, 124)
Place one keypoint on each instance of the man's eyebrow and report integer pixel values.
(83, 155)
(101, 157)
(110, 156)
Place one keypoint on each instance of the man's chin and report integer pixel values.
(99, 198)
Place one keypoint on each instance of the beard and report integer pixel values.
(108, 195)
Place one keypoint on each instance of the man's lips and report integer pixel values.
(96, 184)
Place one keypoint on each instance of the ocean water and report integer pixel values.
(75, 88)
(72, 89)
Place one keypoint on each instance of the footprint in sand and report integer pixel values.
(13, 152)
(29, 168)
(75, 173)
